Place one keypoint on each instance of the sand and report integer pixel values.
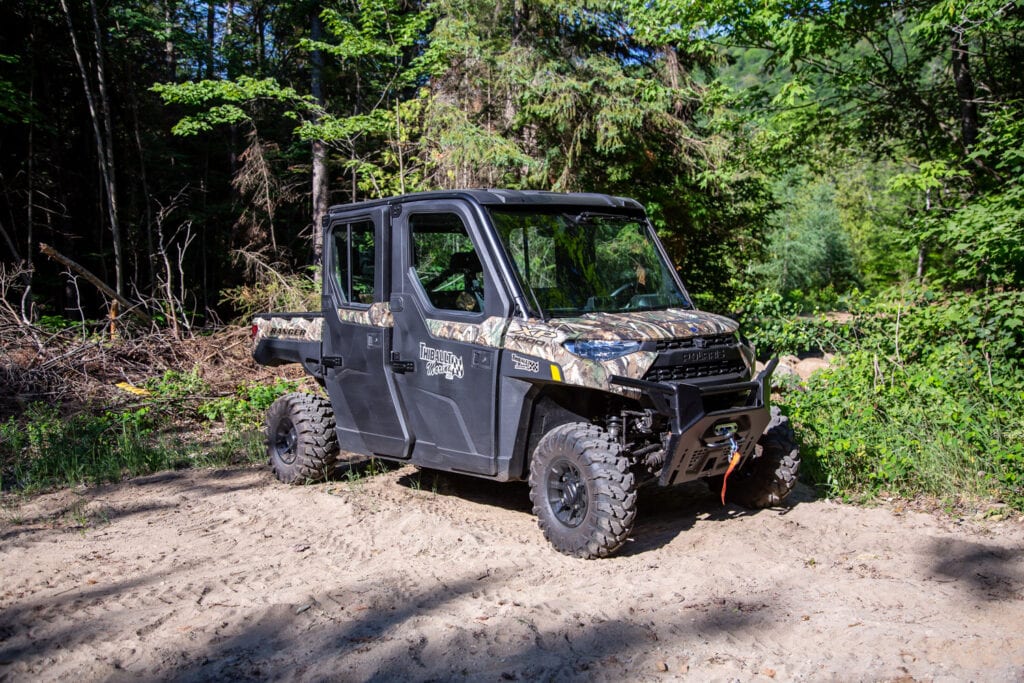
(228, 574)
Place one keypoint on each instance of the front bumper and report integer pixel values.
(694, 448)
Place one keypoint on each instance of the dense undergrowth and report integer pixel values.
(173, 424)
(925, 396)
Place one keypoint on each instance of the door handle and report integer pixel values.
(401, 366)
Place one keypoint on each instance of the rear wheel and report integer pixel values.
(770, 477)
(583, 492)
(301, 442)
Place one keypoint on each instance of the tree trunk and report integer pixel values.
(965, 91)
(144, 183)
(10, 243)
(211, 26)
(320, 179)
(170, 61)
(922, 249)
(102, 145)
(27, 313)
(108, 144)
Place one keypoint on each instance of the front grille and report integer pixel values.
(687, 371)
(692, 342)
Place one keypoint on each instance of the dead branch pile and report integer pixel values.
(80, 370)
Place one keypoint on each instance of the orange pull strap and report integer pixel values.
(732, 465)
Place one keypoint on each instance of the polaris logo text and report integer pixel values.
(441, 362)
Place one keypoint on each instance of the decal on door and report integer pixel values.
(441, 362)
(524, 364)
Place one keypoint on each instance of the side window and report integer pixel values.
(446, 263)
(354, 259)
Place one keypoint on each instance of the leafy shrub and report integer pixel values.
(928, 401)
(174, 384)
(776, 326)
(246, 408)
(242, 415)
(273, 292)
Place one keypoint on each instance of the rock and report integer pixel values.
(808, 366)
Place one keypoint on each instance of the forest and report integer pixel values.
(846, 178)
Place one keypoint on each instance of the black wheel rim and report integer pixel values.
(567, 493)
(284, 440)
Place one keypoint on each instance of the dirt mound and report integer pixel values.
(227, 574)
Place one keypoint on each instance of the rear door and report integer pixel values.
(357, 330)
(450, 315)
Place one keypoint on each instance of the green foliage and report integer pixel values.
(776, 326)
(174, 384)
(977, 225)
(226, 101)
(45, 449)
(13, 104)
(808, 248)
(241, 416)
(927, 401)
(245, 410)
(54, 323)
(273, 292)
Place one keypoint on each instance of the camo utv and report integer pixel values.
(531, 336)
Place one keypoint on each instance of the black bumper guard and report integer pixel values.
(699, 436)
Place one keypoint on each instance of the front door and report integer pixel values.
(450, 315)
(357, 334)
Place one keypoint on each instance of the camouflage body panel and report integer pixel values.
(377, 315)
(538, 338)
(488, 333)
(289, 327)
(544, 339)
(674, 323)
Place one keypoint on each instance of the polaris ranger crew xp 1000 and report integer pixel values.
(517, 335)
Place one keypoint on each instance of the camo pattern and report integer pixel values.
(487, 333)
(301, 329)
(673, 323)
(377, 315)
(545, 339)
(538, 338)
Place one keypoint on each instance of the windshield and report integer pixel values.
(571, 264)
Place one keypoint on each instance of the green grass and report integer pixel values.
(43, 448)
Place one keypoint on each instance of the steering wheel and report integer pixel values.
(628, 288)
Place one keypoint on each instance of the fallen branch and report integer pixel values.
(99, 284)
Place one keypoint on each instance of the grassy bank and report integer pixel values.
(925, 397)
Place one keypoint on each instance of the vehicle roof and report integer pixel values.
(492, 197)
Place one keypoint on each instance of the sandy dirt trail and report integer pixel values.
(227, 574)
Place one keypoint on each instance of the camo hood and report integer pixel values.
(673, 323)
(545, 339)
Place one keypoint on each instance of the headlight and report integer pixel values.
(601, 350)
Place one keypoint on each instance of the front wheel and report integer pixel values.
(582, 490)
(770, 477)
(301, 442)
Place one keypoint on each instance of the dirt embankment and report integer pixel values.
(228, 574)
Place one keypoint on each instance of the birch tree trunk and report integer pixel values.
(320, 180)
